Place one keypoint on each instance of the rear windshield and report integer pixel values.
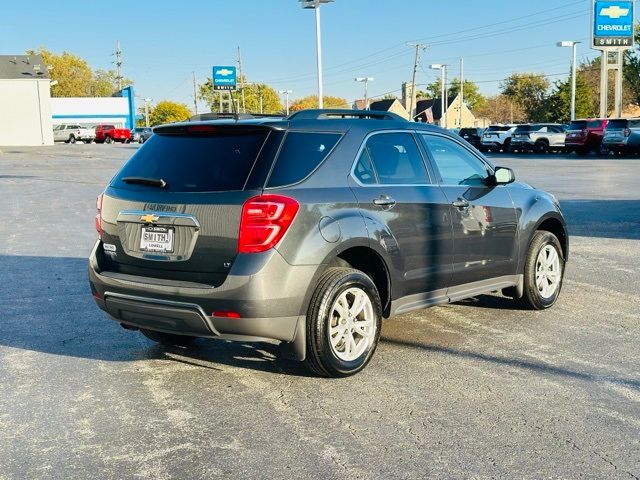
(202, 163)
(578, 125)
(617, 124)
(469, 131)
(498, 128)
(301, 154)
(525, 128)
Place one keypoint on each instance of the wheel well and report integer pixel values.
(543, 140)
(554, 226)
(368, 261)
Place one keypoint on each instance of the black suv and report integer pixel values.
(472, 135)
(309, 230)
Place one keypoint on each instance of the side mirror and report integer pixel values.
(503, 176)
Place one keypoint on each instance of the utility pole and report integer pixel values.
(242, 81)
(146, 111)
(418, 46)
(118, 65)
(195, 98)
(461, 91)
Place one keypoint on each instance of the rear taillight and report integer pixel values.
(99, 215)
(265, 219)
(627, 132)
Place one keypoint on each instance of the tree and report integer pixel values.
(168, 112)
(528, 91)
(559, 101)
(472, 96)
(253, 92)
(501, 109)
(311, 101)
(105, 83)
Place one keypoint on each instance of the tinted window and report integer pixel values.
(396, 159)
(578, 125)
(613, 124)
(594, 124)
(523, 129)
(363, 170)
(456, 164)
(300, 155)
(195, 163)
(634, 123)
(498, 128)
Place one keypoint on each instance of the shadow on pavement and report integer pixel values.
(603, 218)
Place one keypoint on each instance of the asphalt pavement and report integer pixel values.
(478, 389)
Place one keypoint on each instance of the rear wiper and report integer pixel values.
(152, 182)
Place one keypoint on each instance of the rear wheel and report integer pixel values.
(343, 323)
(107, 139)
(543, 271)
(168, 338)
(72, 139)
(541, 147)
(507, 146)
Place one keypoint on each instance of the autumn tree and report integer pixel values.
(252, 95)
(501, 109)
(311, 101)
(168, 112)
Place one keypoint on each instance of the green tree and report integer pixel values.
(105, 83)
(253, 93)
(529, 91)
(472, 96)
(168, 112)
(311, 101)
(559, 101)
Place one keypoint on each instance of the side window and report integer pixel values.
(300, 155)
(396, 159)
(456, 164)
(364, 169)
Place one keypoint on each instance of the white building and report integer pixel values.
(89, 111)
(25, 101)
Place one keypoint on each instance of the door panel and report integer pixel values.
(483, 217)
(404, 213)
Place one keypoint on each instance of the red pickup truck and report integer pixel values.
(109, 133)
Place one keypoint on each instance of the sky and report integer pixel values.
(163, 42)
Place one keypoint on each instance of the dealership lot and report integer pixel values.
(475, 389)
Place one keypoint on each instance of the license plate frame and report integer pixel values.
(160, 240)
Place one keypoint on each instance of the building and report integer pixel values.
(25, 101)
(390, 105)
(118, 110)
(430, 111)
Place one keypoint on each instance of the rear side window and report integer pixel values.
(395, 159)
(202, 163)
(301, 154)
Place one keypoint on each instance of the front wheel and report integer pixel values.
(343, 323)
(168, 339)
(543, 271)
(107, 139)
(541, 147)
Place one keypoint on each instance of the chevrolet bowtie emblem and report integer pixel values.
(149, 218)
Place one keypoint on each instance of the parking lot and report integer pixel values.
(478, 389)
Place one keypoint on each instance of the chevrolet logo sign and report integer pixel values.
(149, 218)
(614, 11)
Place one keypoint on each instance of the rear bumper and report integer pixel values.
(268, 293)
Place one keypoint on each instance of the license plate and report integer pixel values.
(156, 239)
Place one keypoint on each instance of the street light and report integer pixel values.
(366, 81)
(443, 69)
(573, 45)
(146, 111)
(315, 4)
(286, 93)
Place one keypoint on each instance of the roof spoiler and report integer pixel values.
(331, 113)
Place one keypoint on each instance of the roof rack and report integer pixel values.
(233, 116)
(331, 113)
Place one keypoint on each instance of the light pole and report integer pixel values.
(315, 4)
(573, 45)
(366, 81)
(146, 111)
(286, 94)
(443, 101)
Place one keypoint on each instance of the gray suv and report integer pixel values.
(622, 136)
(308, 231)
(539, 137)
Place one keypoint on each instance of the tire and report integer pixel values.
(601, 150)
(541, 147)
(619, 153)
(168, 339)
(343, 357)
(72, 139)
(107, 139)
(535, 297)
(141, 140)
(506, 146)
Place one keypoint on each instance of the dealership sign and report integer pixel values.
(612, 24)
(224, 78)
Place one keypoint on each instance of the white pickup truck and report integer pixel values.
(72, 133)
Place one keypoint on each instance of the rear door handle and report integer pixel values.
(461, 203)
(384, 201)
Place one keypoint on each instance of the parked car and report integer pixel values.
(472, 135)
(497, 138)
(310, 230)
(584, 136)
(106, 133)
(622, 136)
(141, 134)
(72, 133)
(538, 137)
